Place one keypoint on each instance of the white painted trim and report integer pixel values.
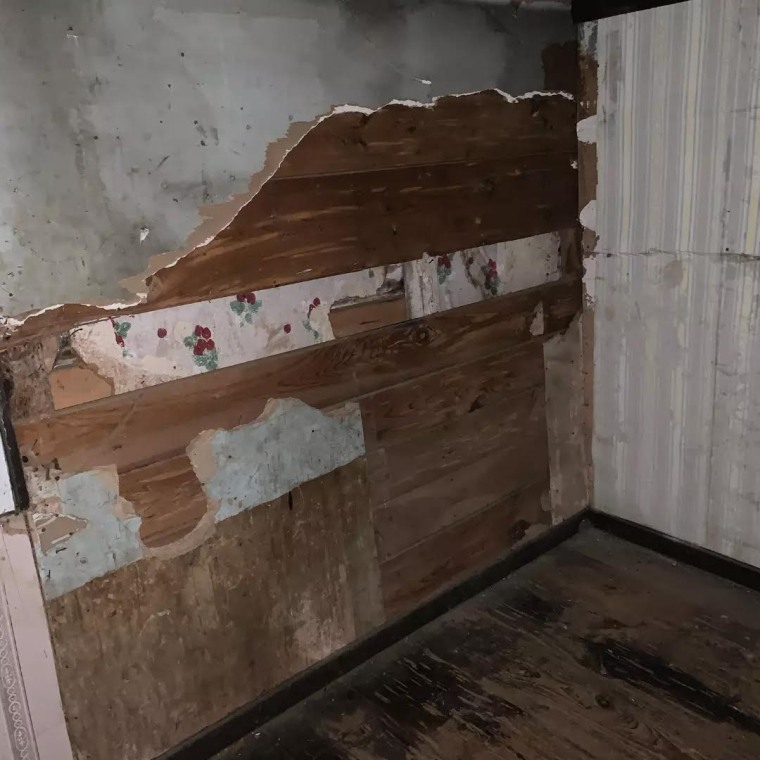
(32, 725)
(35, 650)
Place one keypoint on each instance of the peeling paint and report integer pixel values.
(84, 529)
(537, 324)
(95, 532)
(289, 444)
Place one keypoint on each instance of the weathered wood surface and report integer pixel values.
(599, 650)
(405, 410)
(368, 314)
(454, 470)
(167, 496)
(462, 548)
(137, 428)
(303, 228)
(480, 126)
(160, 649)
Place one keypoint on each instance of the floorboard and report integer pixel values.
(599, 649)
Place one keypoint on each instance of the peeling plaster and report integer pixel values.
(587, 129)
(147, 111)
(84, 529)
(94, 533)
(588, 216)
(289, 444)
(219, 217)
(537, 327)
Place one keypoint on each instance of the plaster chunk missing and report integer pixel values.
(161, 286)
(289, 444)
(587, 129)
(588, 216)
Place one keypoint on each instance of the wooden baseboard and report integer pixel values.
(214, 739)
(680, 551)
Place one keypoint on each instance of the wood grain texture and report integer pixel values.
(75, 385)
(452, 445)
(168, 498)
(596, 651)
(480, 126)
(399, 412)
(462, 548)
(368, 314)
(140, 427)
(455, 470)
(307, 227)
(174, 645)
(566, 418)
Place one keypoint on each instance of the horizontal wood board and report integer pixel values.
(137, 428)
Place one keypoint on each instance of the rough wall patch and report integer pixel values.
(101, 534)
(289, 444)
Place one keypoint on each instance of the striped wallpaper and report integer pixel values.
(677, 280)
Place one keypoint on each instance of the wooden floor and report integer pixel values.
(599, 649)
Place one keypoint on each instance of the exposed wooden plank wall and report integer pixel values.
(413, 184)
(366, 189)
(159, 649)
(139, 427)
(456, 466)
(444, 453)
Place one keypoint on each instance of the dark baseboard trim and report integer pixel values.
(234, 727)
(688, 554)
(590, 10)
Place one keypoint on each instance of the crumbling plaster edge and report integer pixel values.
(229, 210)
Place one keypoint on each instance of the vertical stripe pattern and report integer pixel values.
(677, 291)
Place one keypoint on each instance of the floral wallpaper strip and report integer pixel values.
(436, 283)
(155, 347)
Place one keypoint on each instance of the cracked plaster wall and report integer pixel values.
(121, 119)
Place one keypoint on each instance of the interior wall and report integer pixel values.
(674, 281)
(122, 120)
(227, 491)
